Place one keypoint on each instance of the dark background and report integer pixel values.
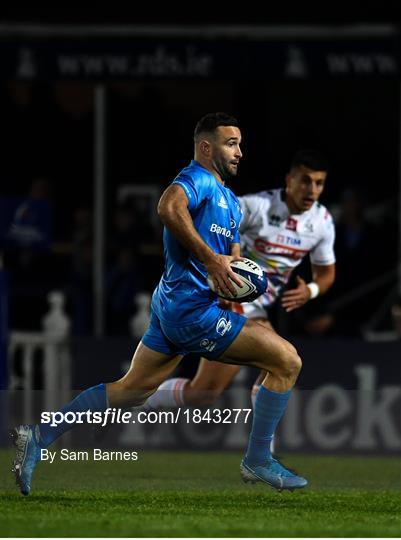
(48, 156)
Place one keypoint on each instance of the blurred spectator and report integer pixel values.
(122, 284)
(125, 234)
(146, 232)
(356, 241)
(26, 237)
(133, 231)
(132, 224)
(31, 226)
(353, 233)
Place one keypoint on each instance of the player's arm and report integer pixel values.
(323, 278)
(235, 252)
(236, 249)
(174, 213)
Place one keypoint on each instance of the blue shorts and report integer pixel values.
(209, 337)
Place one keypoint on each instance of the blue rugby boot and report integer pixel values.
(272, 472)
(26, 439)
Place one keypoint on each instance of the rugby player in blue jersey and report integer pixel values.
(279, 228)
(201, 217)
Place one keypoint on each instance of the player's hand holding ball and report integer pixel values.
(221, 275)
(252, 284)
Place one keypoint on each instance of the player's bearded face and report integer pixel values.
(226, 151)
(304, 187)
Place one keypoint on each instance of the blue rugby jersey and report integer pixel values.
(216, 214)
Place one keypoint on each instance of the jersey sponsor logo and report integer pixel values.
(291, 224)
(222, 203)
(223, 326)
(270, 248)
(288, 240)
(274, 220)
(208, 344)
(221, 230)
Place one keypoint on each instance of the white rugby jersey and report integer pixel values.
(279, 240)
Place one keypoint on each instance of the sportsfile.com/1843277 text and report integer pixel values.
(118, 416)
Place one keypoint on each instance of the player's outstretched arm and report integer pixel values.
(174, 213)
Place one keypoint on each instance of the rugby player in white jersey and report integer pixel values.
(278, 229)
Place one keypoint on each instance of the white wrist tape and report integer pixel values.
(314, 289)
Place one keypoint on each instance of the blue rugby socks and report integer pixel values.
(269, 408)
(92, 399)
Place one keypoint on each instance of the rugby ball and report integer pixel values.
(254, 281)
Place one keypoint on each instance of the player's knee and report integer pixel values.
(290, 362)
(286, 360)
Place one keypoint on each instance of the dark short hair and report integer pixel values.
(211, 121)
(312, 159)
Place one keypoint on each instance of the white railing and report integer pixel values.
(48, 351)
(35, 350)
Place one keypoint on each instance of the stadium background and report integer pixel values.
(96, 124)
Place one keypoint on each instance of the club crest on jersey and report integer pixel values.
(233, 223)
(291, 224)
(223, 203)
(223, 326)
(308, 226)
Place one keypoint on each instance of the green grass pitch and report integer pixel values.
(175, 494)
